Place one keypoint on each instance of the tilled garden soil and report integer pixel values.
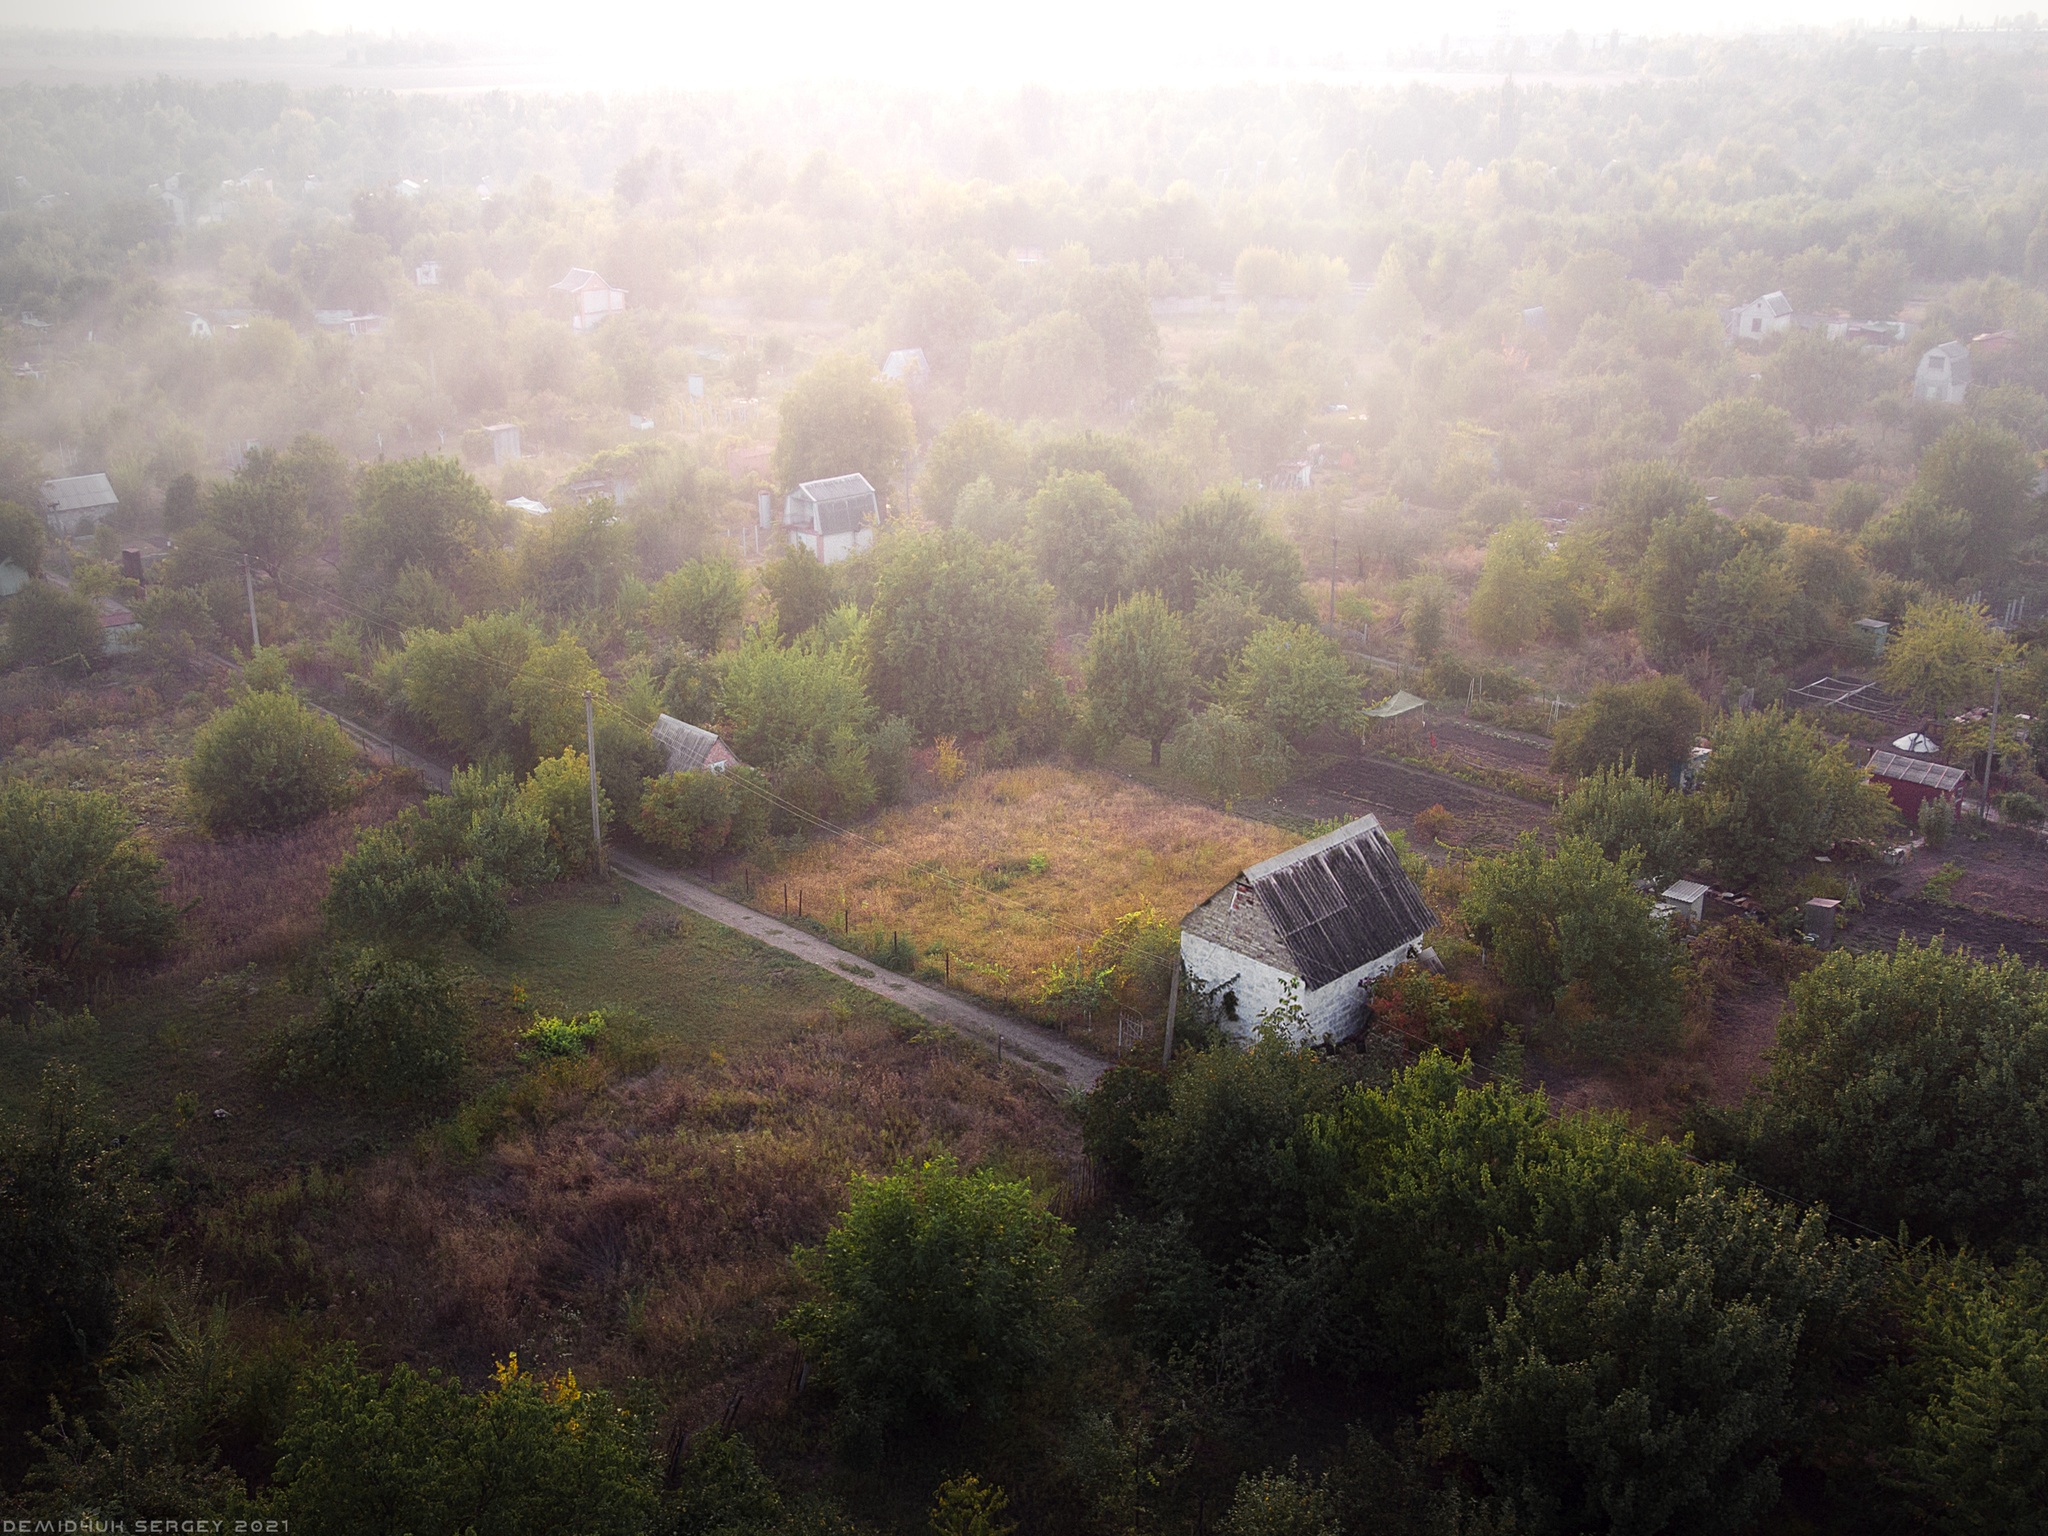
(1396, 791)
(1999, 898)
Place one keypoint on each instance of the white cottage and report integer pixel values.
(1330, 917)
(1944, 374)
(592, 299)
(833, 518)
(1760, 317)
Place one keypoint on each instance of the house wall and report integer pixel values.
(831, 548)
(1909, 797)
(1337, 1010)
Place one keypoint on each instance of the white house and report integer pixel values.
(1758, 318)
(907, 366)
(592, 298)
(197, 326)
(691, 747)
(1944, 374)
(504, 441)
(1329, 917)
(833, 518)
(78, 501)
(427, 274)
(346, 322)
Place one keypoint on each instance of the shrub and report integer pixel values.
(562, 1037)
(386, 892)
(49, 627)
(267, 764)
(2022, 809)
(77, 887)
(1936, 820)
(1123, 1098)
(941, 1292)
(698, 816)
(1435, 824)
(384, 1024)
(1424, 1009)
(889, 748)
(558, 792)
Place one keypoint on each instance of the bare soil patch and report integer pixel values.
(1360, 785)
(1988, 895)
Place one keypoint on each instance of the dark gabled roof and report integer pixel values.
(844, 502)
(1322, 909)
(1915, 770)
(688, 746)
(78, 493)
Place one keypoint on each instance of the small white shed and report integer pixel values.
(78, 501)
(1760, 317)
(1328, 918)
(592, 299)
(834, 518)
(1944, 374)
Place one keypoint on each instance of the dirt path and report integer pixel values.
(1041, 1048)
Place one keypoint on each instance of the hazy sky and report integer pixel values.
(650, 42)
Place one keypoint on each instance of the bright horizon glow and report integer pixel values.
(1061, 43)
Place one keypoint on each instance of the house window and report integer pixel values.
(1755, 326)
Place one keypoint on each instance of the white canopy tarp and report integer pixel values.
(1402, 703)
(1915, 742)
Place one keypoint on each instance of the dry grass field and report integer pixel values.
(1013, 869)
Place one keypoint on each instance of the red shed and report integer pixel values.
(1911, 781)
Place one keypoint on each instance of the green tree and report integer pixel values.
(384, 1024)
(261, 510)
(1746, 608)
(459, 684)
(698, 816)
(1292, 679)
(1570, 931)
(1424, 614)
(1985, 473)
(576, 557)
(391, 891)
(1648, 725)
(1140, 670)
(184, 503)
(990, 513)
(1225, 616)
(1738, 436)
(77, 885)
(557, 792)
(1623, 813)
(1973, 1390)
(939, 1294)
(50, 627)
(68, 1202)
(701, 602)
(1778, 793)
(1084, 538)
(416, 1453)
(1117, 308)
(1228, 756)
(267, 764)
(1222, 530)
(1507, 606)
(1052, 367)
(1441, 1196)
(1821, 382)
(958, 632)
(1632, 499)
(946, 312)
(966, 1506)
(427, 511)
(779, 703)
(1905, 1089)
(839, 419)
(803, 590)
(1940, 657)
(973, 445)
(325, 478)
(21, 537)
(1648, 1387)
(1683, 549)
(1280, 1504)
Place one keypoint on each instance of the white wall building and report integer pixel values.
(592, 299)
(1760, 317)
(833, 518)
(1944, 374)
(1328, 917)
(78, 501)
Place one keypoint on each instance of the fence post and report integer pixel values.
(1172, 1006)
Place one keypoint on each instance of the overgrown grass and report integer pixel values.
(1012, 870)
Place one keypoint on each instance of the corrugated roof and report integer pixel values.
(1685, 890)
(844, 502)
(79, 493)
(1776, 303)
(688, 746)
(1322, 909)
(1914, 770)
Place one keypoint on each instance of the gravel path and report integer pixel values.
(1040, 1048)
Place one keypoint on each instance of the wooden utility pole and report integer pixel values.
(1333, 581)
(249, 586)
(590, 736)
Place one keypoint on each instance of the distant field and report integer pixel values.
(1014, 868)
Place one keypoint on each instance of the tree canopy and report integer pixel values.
(839, 419)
